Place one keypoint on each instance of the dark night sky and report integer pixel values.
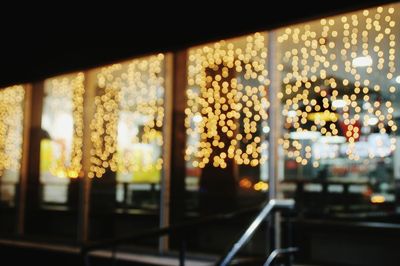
(43, 44)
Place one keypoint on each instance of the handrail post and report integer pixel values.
(86, 259)
(182, 251)
(290, 237)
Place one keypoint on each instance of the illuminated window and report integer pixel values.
(11, 138)
(226, 120)
(61, 136)
(339, 93)
(126, 131)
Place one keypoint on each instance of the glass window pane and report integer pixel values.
(11, 137)
(60, 136)
(339, 93)
(227, 130)
(127, 145)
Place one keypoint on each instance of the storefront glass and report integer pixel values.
(53, 195)
(339, 83)
(126, 163)
(11, 139)
(226, 122)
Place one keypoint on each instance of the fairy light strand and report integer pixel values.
(136, 87)
(352, 44)
(227, 104)
(11, 127)
(71, 88)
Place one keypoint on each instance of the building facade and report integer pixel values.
(308, 111)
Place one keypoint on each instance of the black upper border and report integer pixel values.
(52, 45)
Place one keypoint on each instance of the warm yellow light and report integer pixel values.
(135, 88)
(378, 199)
(261, 186)
(310, 56)
(69, 89)
(11, 127)
(323, 116)
(218, 102)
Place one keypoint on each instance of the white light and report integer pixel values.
(398, 79)
(266, 129)
(373, 121)
(366, 105)
(362, 61)
(127, 130)
(292, 113)
(332, 139)
(305, 135)
(123, 134)
(197, 118)
(379, 145)
(63, 127)
(338, 103)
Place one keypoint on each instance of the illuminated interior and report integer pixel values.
(61, 135)
(340, 103)
(127, 128)
(226, 121)
(227, 100)
(11, 138)
(111, 165)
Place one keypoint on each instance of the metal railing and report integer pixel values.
(271, 206)
(279, 251)
(180, 229)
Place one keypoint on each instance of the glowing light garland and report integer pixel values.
(11, 127)
(227, 102)
(61, 89)
(352, 44)
(136, 87)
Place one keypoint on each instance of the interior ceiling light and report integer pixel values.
(373, 121)
(362, 61)
(332, 139)
(292, 113)
(338, 103)
(305, 135)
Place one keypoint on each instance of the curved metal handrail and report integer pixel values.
(157, 232)
(274, 254)
(272, 205)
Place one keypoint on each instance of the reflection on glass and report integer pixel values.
(340, 102)
(127, 129)
(61, 136)
(226, 121)
(11, 137)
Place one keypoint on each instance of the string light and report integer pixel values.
(61, 89)
(136, 87)
(350, 44)
(227, 102)
(11, 127)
